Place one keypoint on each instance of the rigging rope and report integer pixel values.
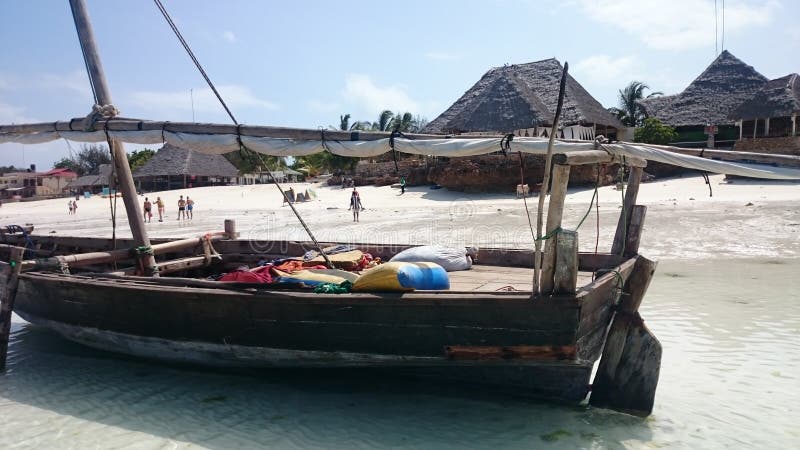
(238, 128)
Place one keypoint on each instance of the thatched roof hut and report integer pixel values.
(778, 98)
(521, 96)
(772, 111)
(711, 97)
(174, 167)
(94, 182)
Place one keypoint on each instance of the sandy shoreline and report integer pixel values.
(742, 219)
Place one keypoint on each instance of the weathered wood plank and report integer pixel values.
(628, 373)
(582, 157)
(635, 230)
(624, 222)
(10, 275)
(523, 352)
(555, 211)
(565, 276)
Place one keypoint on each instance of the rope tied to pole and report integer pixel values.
(505, 143)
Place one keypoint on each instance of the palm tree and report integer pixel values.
(344, 122)
(384, 121)
(629, 111)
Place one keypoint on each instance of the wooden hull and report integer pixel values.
(540, 348)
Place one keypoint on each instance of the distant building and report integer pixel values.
(768, 120)
(35, 184)
(282, 176)
(522, 99)
(176, 168)
(708, 102)
(93, 183)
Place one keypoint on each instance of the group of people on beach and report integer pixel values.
(185, 209)
(73, 206)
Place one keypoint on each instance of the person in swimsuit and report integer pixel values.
(181, 208)
(70, 207)
(148, 210)
(189, 207)
(160, 206)
(355, 204)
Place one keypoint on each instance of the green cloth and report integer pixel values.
(332, 288)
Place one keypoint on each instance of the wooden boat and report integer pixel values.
(539, 340)
(538, 346)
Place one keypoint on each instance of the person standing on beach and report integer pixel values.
(160, 206)
(148, 210)
(402, 185)
(75, 206)
(355, 204)
(71, 208)
(189, 207)
(181, 208)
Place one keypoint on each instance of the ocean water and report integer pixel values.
(730, 329)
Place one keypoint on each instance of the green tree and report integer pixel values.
(344, 122)
(138, 158)
(67, 163)
(629, 111)
(654, 132)
(87, 161)
(384, 121)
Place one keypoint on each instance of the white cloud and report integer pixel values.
(677, 24)
(229, 36)
(361, 90)
(442, 56)
(606, 70)
(13, 114)
(75, 81)
(177, 103)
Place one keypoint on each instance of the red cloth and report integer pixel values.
(257, 275)
(294, 266)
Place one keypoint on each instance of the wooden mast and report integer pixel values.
(103, 96)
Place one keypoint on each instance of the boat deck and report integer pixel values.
(498, 278)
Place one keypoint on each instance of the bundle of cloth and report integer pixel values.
(450, 259)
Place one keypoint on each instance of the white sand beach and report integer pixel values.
(743, 218)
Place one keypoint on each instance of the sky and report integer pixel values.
(304, 63)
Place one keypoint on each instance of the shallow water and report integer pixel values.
(730, 331)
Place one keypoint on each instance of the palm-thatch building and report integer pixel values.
(94, 183)
(521, 99)
(175, 168)
(772, 111)
(708, 102)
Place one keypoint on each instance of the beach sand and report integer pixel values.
(743, 218)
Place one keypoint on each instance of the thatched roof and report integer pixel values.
(711, 97)
(171, 160)
(778, 98)
(101, 178)
(521, 96)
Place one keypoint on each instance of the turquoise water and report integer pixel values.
(730, 331)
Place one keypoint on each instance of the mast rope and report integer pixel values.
(112, 206)
(238, 126)
(524, 196)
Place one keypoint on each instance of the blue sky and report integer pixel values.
(304, 63)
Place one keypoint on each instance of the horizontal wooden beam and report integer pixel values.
(579, 158)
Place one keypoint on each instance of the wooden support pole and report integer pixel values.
(794, 124)
(9, 276)
(635, 230)
(555, 211)
(565, 277)
(766, 127)
(230, 229)
(627, 209)
(628, 372)
(119, 157)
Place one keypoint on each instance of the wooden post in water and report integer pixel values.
(120, 158)
(627, 375)
(9, 277)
